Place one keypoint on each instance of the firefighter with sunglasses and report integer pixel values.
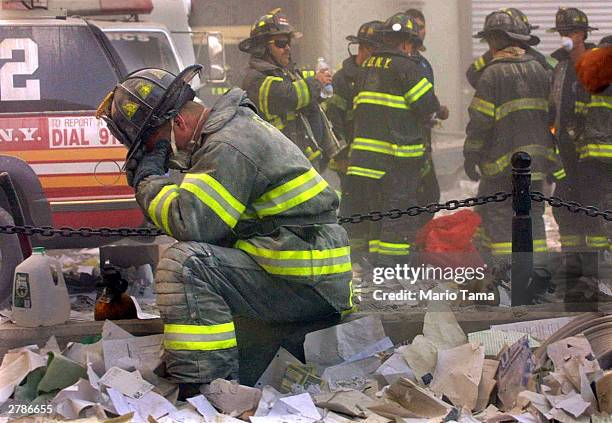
(284, 96)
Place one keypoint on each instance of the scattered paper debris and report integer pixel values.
(516, 365)
(494, 341)
(230, 397)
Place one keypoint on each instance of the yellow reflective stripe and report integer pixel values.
(597, 241)
(199, 329)
(311, 154)
(393, 249)
(540, 246)
(214, 195)
(373, 245)
(380, 99)
(292, 254)
(595, 150)
(499, 165)
(200, 345)
(418, 91)
(571, 240)
(158, 210)
(308, 73)
(580, 107)
(384, 147)
(303, 93)
(365, 172)
(290, 194)
(483, 106)
(601, 101)
(199, 337)
(307, 271)
(521, 104)
(479, 64)
(560, 174)
(264, 94)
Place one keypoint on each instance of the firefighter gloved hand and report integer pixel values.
(145, 164)
(470, 165)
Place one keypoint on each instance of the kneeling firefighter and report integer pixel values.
(256, 224)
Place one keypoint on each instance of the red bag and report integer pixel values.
(446, 241)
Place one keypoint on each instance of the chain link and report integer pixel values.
(373, 216)
(571, 206)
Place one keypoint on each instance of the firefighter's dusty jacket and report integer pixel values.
(394, 104)
(509, 112)
(595, 140)
(251, 188)
(568, 101)
(339, 107)
(289, 101)
(475, 70)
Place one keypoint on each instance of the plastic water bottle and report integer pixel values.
(40, 297)
(328, 90)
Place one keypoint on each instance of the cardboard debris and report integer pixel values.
(421, 356)
(342, 343)
(604, 392)
(494, 341)
(413, 401)
(393, 368)
(487, 383)
(275, 371)
(230, 397)
(442, 329)
(515, 372)
(458, 373)
(350, 402)
(569, 355)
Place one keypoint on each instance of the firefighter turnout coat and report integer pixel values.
(394, 103)
(258, 238)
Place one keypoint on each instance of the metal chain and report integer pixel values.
(373, 216)
(571, 206)
(431, 208)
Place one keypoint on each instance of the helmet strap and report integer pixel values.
(172, 137)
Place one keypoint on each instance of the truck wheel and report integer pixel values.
(10, 256)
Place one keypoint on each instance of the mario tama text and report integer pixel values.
(411, 275)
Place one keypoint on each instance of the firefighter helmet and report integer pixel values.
(401, 25)
(569, 19)
(517, 13)
(272, 23)
(369, 33)
(514, 28)
(145, 100)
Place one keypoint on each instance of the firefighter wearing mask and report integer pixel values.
(256, 223)
(476, 68)
(395, 101)
(570, 103)
(429, 191)
(509, 113)
(284, 96)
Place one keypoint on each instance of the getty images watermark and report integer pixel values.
(410, 275)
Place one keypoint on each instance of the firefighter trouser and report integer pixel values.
(596, 190)
(429, 190)
(497, 221)
(201, 287)
(389, 241)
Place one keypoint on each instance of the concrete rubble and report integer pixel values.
(527, 372)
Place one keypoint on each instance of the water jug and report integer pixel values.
(40, 297)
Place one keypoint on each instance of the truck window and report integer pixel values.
(52, 68)
(143, 49)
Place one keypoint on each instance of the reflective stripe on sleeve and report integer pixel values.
(595, 150)
(521, 104)
(159, 209)
(299, 262)
(388, 248)
(580, 107)
(303, 93)
(598, 242)
(418, 91)
(503, 248)
(380, 99)
(385, 147)
(290, 194)
(479, 64)
(199, 337)
(365, 172)
(483, 106)
(604, 101)
(214, 195)
(559, 174)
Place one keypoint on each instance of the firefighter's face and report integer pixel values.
(422, 29)
(280, 49)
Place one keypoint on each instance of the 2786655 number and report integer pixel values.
(30, 409)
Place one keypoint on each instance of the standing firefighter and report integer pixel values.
(256, 223)
(475, 70)
(509, 113)
(394, 103)
(284, 97)
(570, 105)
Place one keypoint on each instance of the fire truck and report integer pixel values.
(54, 71)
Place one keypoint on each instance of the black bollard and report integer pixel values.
(522, 237)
